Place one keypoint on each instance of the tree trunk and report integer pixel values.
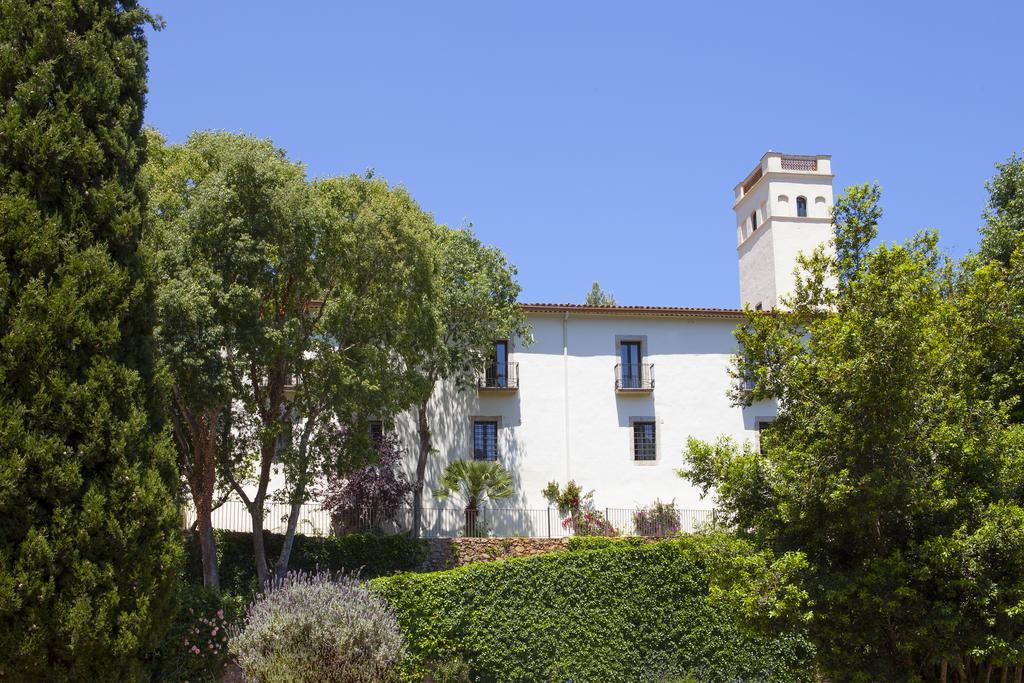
(197, 457)
(298, 494)
(289, 540)
(207, 548)
(1019, 674)
(472, 513)
(259, 549)
(421, 468)
(942, 671)
(256, 511)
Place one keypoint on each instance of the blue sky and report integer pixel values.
(601, 141)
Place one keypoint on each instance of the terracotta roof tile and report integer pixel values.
(653, 311)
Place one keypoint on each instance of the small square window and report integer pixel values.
(376, 429)
(485, 440)
(644, 443)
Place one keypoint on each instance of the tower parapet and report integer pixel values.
(783, 207)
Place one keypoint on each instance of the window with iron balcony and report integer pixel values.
(631, 373)
(500, 374)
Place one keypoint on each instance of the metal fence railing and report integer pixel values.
(233, 515)
(451, 522)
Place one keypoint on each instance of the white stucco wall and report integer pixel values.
(757, 269)
(690, 357)
(790, 238)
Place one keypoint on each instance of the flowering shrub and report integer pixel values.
(579, 510)
(196, 647)
(569, 500)
(589, 523)
(659, 519)
(369, 498)
(315, 627)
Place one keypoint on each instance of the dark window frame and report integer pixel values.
(498, 370)
(376, 430)
(645, 440)
(631, 370)
(485, 446)
(801, 207)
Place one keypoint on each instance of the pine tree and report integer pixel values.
(89, 549)
(598, 297)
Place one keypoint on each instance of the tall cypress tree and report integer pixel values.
(88, 541)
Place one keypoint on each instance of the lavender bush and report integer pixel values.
(315, 627)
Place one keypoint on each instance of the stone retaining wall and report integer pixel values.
(446, 553)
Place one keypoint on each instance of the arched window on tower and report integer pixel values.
(801, 206)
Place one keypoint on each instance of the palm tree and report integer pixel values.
(477, 480)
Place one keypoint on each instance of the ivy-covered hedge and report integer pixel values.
(372, 555)
(576, 543)
(626, 612)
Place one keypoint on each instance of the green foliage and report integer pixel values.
(993, 291)
(878, 487)
(368, 554)
(476, 303)
(89, 548)
(569, 500)
(621, 613)
(476, 480)
(1003, 231)
(196, 646)
(576, 543)
(288, 298)
(598, 297)
(858, 210)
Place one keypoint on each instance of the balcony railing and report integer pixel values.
(634, 377)
(799, 164)
(501, 377)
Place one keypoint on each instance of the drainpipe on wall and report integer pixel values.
(565, 390)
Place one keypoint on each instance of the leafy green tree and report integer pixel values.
(994, 288)
(889, 474)
(477, 481)
(1003, 232)
(89, 544)
(207, 294)
(295, 310)
(475, 305)
(599, 297)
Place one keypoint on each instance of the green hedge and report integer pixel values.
(577, 543)
(372, 555)
(627, 612)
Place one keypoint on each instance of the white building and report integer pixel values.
(607, 396)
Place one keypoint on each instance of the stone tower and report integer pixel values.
(783, 207)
